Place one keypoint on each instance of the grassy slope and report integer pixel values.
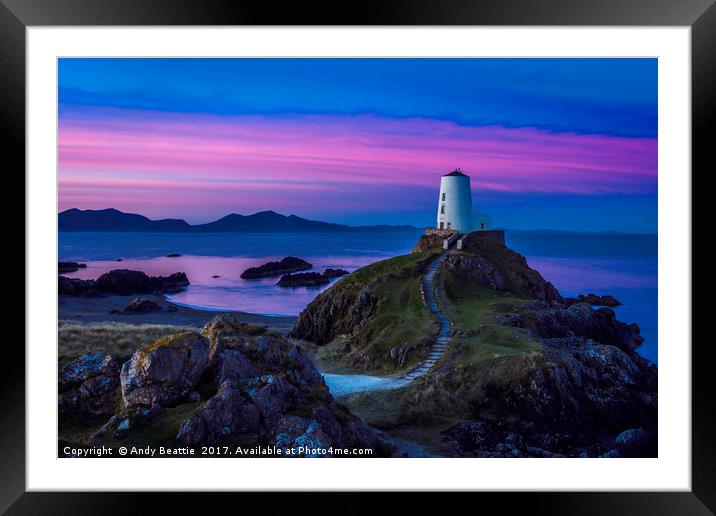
(117, 339)
(402, 319)
(425, 408)
(477, 310)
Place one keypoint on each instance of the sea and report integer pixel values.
(623, 265)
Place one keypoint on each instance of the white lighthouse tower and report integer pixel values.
(455, 205)
(455, 202)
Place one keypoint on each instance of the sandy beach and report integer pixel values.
(98, 309)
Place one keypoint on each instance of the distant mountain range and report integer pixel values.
(111, 220)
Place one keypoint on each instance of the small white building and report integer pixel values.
(455, 205)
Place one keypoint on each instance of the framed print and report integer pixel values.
(426, 249)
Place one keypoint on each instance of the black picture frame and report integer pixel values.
(700, 15)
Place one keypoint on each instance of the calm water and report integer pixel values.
(622, 265)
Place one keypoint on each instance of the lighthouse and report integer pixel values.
(455, 205)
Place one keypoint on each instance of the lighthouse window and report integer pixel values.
(442, 209)
(443, 196)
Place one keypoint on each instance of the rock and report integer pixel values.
(475, 270)
(142, 306)
(175, 282)
(272, 395)
(226, 415)
(305, 279)
(173, 255)
(579, 320)
(472, 435)
(519, 278)
(215, 276)
(165, 371)
(334, 273)
(127, 419)
(119, 260)
(265, 390)
(63, 267)
(593, 300)
(74, 286)
(300, 433)
(636, 442)
(432, 239)
(122, 282)
(89, 385)
(286, 266)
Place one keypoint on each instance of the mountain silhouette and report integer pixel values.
(112, 220)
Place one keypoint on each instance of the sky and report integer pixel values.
(566, 144)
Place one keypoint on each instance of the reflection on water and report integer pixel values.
(621, 265)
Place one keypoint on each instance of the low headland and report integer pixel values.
(526, 372)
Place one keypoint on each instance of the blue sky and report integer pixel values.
(549, 143)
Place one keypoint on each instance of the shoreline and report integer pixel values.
(85, 310)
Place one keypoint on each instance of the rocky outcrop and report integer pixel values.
(334, 273)
(142, 306)
(511, 271)
(573, 399)
(75, 286)
(173, 255)
(89, 386)
(303, 279)
(166, 371)
(286, 266)
(593, 300)
(268, 387)
(431, 239)
(63, 267)
(335, 312)
(471, 269)
(579, 320)
(228, 413)
(123, 282)
(235, 383)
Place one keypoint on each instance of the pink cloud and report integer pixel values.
(262, 162)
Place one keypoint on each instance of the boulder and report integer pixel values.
(173, 255)
(89, 385)
(286, 266)
(305, 279)
(142, 306)
(165, 371)
(226, 415)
